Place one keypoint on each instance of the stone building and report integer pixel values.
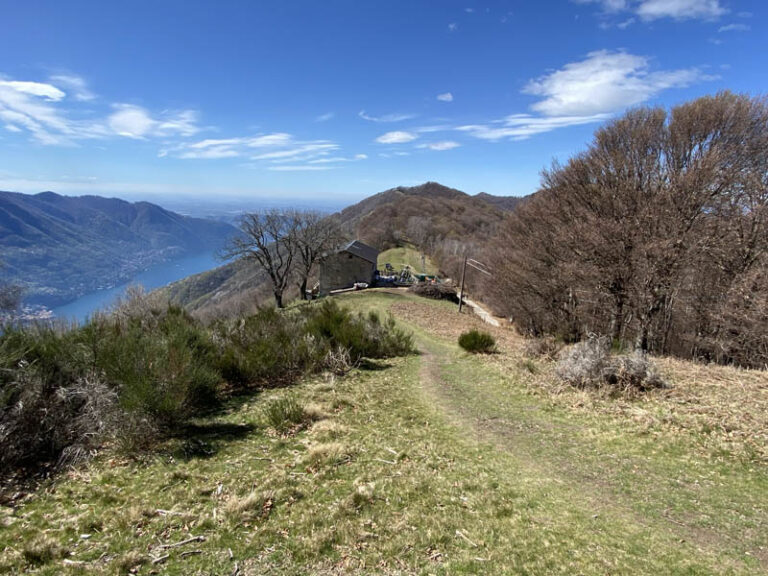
(355, 262)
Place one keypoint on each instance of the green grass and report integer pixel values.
(403, 255)
(442, 463)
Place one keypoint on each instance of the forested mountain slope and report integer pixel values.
(431, 216)
(60, 247)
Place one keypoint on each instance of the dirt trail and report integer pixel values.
(524, 440)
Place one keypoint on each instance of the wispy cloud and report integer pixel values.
(445, 97)
(339, 159)
(680, 9)
(452, 27)
(393, 117)
(396, 137)
(605, 82)
(136, 122)
(45, 91)
(44, 110)
(77, 86)
(734, 28)
(523, 126)
(440, 146)
(649, 10)
(299, 168)
(325, 117)
(585, 92)
(278, 151)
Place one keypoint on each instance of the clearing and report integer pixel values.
(407, 255)
(442, 463)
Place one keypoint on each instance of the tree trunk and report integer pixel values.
(303, 289)
(279, 299)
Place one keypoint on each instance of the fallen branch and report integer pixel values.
(183, 542)
(460, 533)
(160, 559)
(191, 553)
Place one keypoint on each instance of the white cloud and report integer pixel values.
(609, 6)
(444, 145)
(336, 159)
(446, 97)
(47, 91)
(325, 117)
(394, 117)
(31, 106)
(136, 122)
(213, 153)
(396, 137)
(276, 151)
(734, 28)
(43, 110)
(12, 128)
(298, 152)
(604, 82)
(680, 9)
(649, 10)
(77, 86)
(131, 121)
(523, 126)
(298, 168)
(269, 140)
(452, 27)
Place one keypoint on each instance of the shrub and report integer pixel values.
(268, 348)
(163, 370)
(361, 335)
(145, 370)
(633, 372)
(477, 342)
(590, 363)
(284, 413)
(130, 376)
(435, 291)
(546, 347)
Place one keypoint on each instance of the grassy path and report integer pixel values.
(646, 485)
(441, 463)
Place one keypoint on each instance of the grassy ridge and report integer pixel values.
(406, 255)
(444, 463)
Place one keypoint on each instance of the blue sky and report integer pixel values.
(342, 99)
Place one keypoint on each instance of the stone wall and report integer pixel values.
(342, 270)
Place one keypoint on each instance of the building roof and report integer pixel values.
(362, 250)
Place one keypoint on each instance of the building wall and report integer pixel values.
(342, 270)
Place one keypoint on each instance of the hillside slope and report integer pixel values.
(437, 463)
(61, 247)
(429, 215)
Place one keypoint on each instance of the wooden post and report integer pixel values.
(463, 274)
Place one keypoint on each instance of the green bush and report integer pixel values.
(164, 371)
(144, 371)
(269, 349)
(361, 335)
(477, 342)
(284, 413)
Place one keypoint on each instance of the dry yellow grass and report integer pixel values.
(328, 430)
(726, 407)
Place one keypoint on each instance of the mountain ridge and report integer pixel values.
(61, 247)
(437, 214)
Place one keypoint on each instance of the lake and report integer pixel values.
(151, 278)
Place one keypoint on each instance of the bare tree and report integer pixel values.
(657, 234)
(10, 295)
(268, 239)
(313, 235)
